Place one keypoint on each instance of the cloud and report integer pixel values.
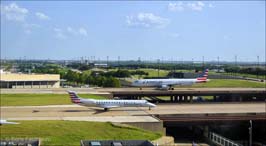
(83, 32)
(29, 27)
(176, 7)
(69, 31)
(42, 16)
(80, 31)
(59, 34)
(146, 20)
(181, 6)
(196, 6)
(13, 12)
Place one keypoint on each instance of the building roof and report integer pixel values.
(9, 77)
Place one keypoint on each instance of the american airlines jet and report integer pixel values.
(169, 83)
(107, 104)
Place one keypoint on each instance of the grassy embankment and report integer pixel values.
(39, 99)
(229, 83)
(71, 132)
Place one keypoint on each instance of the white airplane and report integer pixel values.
(169, 83)
(3, 122)
(107, 104)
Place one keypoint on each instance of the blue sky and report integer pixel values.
(148, 29)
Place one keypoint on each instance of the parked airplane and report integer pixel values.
(2, 122)
(107, 104)
(169, 83)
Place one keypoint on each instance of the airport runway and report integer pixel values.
(126, 114)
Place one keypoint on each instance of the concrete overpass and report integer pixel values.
(186, 94)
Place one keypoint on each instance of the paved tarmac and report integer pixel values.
(124, 114)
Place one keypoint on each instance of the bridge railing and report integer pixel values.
(220, 140)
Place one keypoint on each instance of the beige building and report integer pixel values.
(19, 80)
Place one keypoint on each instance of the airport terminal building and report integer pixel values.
(19, 80)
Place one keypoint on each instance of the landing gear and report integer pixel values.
(171, 88)
(149, 108)
(140, 88)
(105, 109)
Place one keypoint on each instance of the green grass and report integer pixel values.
(229, 83)
(39, 99)
(246, 75)
(71, 132)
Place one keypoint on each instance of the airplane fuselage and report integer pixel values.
(115, 103)
(161, 82)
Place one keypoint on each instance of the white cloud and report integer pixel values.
(42, 16)
(59, 33)
(181, 6)
(30, 27)
(69, 31)
(176, 7)
(14, 12)
(196, 6)
(146, 20)
(83, 31)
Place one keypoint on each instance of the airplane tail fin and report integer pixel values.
(203, 76)
(74, 97)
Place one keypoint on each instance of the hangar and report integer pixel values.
(20, 80)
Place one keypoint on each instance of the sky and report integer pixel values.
(166, 30)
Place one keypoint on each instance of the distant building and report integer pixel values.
(99, 65)
(19, 80)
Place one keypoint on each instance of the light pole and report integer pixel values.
(250, 133)
(258, 64)
(107, 61)
(158, 61)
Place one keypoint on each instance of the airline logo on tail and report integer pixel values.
(203, 76)
(74, 98)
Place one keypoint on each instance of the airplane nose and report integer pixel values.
(151, 105)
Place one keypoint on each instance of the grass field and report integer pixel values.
(71, 132)
(229, 83)
(39, 99)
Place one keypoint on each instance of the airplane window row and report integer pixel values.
(115, 102)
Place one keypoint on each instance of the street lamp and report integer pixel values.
(250, 133)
